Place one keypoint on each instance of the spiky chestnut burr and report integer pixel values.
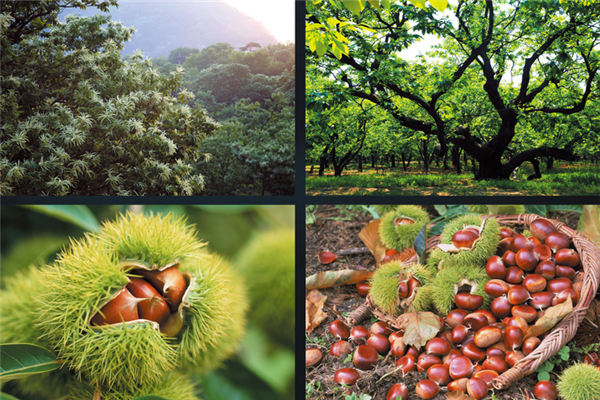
(385, 283)
(267, 263)
(207, 325)
(171, 386)
(17, 325)
(482, 250)
(400, 236)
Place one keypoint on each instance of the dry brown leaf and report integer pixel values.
(419, 327)
(314, 310)
(589, 223)
(458, 395)
(551, 317)
(331, 278)
(370, 237)
(326, 257)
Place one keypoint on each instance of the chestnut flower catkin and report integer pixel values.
(204, 328)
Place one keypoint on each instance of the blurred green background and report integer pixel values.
(262, 369)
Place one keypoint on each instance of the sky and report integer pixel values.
(276, 15)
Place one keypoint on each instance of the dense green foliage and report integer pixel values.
(508, 82)
(78, 119)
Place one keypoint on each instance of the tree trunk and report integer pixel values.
(323, 163)
(456, 159)
(393, 161)
(490, 168)
(312, 168)
(425, 155)
(360, 167)
(549, 163)
(372, 160)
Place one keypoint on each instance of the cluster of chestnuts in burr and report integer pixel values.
(153, 296)
(527, 276)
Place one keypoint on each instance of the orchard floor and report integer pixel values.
(566, 179)
(336, 229)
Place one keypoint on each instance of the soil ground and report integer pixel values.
(331, 233)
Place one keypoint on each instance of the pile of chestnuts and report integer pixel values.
(527, 276)
(154, 296)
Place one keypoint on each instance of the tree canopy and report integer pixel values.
(499, 67)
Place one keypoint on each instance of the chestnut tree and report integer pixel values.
(79, 120)
(520, 59)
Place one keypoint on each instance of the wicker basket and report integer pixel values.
(560, 335)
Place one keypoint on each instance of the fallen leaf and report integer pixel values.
(551, 317)
(314, 310)
(331, 278)
(370, 237)
(589, 223)
(448, 248)
(419, 327)
(326, 257)
(458, 395)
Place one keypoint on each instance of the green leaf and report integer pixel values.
(540, 210)
(375, 4)
(441, 209)
(22, 360)
(76, 214)
(386, 4)
(420, 244)
(418, 3)
(567, 207)
(439, 5)
(5, 396)
(356, 6)
(543, 376)
(321, 48)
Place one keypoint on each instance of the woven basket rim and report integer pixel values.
(565, 330)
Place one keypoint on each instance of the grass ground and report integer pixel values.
(565, 179)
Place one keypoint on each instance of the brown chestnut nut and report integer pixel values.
(122, 308)
(513, 338)
(534, 283)
(458, 384)
(169, 282)
(547, 269)
(520, 242)
(341, 348)
(427, 389)
(395, 335)
(518, 295)
(461, 367)
(363, 288)
(495, 268)
(545, 390)
(567, 257)
(487, 336)
(339, 329)
(346, 376)
(526, 312)
(380, 328)
(313, 357)
(456, 317)
(403, 289)
(472, 352)
(406, 364)
(380, 343)
(458, 334)
(413, 284)
(519, 322)
(514, 275)
(507, 233)
(464, 239)
(541, 300)
(359, 334)
(512, 357)
(475, 321)
(439, 373)
(557, 241)
(504, 246)
(468, 301)
(438, 347)
(527, 259)
(495, 352)
(426, 360)
(559, 284)
(447, 359)
(398, 348)
(530, 344)
(365, 357)
(501, 307)
(562, 297)
(509, 258)
(563, 271)
(496, 288)
(540, 228)
(494, 363)
(544, 252)
(477, 388)
(398, 391)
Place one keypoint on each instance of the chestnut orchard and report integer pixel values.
(495, 88)
(143, 306)
(464, 325)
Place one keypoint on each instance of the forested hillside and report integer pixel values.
(82, 118)
(162, 26)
